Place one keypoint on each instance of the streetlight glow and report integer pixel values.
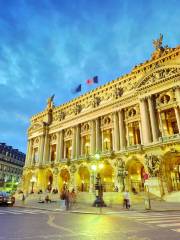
(93, 167)
(101, 165)
(97, 156)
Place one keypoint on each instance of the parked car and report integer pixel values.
(6, 199)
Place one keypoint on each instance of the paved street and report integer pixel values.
(24, 223)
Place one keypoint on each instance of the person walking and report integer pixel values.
(67, 199)
(126, 201)
(72, 198)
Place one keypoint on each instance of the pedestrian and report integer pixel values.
(72, 197)
(126, 199)
(67, 199)
(62, 197)
(23, 198)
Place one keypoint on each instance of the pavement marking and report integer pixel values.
(159, 221)
(176, 230)
(169, 225)
(52, 224)
(9, 212)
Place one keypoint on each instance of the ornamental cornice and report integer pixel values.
(158, 75)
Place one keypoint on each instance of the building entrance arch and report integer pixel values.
(107, 177)
(170, 170)
(49, 180)
(64, 178)
(135, 179)
(83, 179)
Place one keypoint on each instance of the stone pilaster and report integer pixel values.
(122, 130)
(176, 109)
(74, 143)
(41, 148)
(82, 145)
(61, 156)
(161, 123)
(93, 138)
(98, 136)
(78, 141)
(177, 94)
(153, 119)
(46, 148)
(27, 162)
(30, 157)
(146, 130)
(58, 148)
(115, 132)
(140, 130)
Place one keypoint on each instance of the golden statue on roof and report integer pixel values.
(158, 42)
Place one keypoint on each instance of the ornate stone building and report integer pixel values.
(127, 130)
(11, 166)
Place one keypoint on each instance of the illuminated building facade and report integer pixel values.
(130, 127)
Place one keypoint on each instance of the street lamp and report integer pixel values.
(99, 202)
(33, 181)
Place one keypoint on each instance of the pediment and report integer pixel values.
(35, 126)
(157, 75)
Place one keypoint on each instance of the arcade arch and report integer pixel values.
(83, 178)
(64, 178)
(134, 179)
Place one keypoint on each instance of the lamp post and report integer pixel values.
(33, 181)
(99, 202)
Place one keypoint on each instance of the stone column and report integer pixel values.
(30, 152)
(177, 94)
(93, 138)
(61, 149)
(58, 148)
(140, 130)
(27, 163)
(153, 120)
(127, 134)
(176, 109)
(78, 141)
(82, 145)
(74, 143)
(115, 132)
(161, 124)
(40, 150)
(146, 130)
(98, 136)
(46, 149)
(122, 130)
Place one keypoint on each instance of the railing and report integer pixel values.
(170, 138)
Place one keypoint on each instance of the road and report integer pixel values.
(23, 223)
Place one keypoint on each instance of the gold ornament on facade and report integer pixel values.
(153, 164)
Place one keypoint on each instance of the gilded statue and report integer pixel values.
(50, 103)
(158, 42)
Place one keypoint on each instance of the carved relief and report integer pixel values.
(62, 115)
(118, 92)
(152, 163)
(85, 127)
(95, 102)
(159, 75)
(165, 98)
(77, 109)
(68, 133)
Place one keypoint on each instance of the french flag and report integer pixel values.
(92, 80)
(77, 89)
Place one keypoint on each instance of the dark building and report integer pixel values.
(11, 166)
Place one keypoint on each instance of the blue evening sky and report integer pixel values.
(50, 46)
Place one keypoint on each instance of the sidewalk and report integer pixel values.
(156, 206)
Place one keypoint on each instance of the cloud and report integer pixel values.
(47, 47)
